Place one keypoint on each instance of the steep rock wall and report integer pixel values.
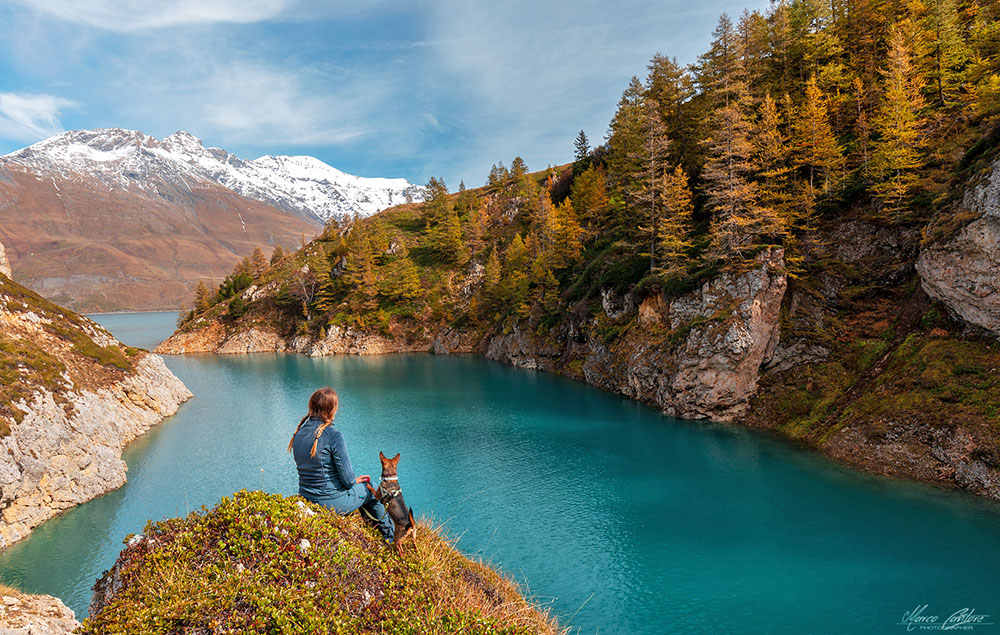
(963, 272)
(53, 460)
(697, 357)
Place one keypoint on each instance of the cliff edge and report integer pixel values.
(71, 397)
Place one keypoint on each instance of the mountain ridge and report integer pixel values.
(133, 160)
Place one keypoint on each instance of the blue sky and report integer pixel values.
(409, 88)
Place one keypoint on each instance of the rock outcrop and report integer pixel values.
(963, 272)
(698, 357)
(72, 397)
(23, 614)
(4, 263)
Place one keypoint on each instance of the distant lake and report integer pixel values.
(614, 516)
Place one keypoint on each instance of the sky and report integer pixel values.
(413, 88)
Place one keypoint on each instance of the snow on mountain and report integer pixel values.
(131, 160)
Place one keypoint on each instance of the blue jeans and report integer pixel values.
(359, 496)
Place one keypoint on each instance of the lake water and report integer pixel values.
(618, 518)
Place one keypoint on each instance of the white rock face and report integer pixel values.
(131, 160)
(23, 614)
(53, 460)
(964, 271)
(4, 263)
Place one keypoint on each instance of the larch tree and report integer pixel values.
(948, 51)
(202, 297)
(673, 233)
(590, 197)
(652, 154)
(772, 156)
(897, 154)
(816, 151)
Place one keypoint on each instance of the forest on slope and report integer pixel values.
(837, 137)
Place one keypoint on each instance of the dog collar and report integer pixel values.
(390, 478)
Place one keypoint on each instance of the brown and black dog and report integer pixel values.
(391, 497)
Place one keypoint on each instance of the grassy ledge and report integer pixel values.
(265, 563)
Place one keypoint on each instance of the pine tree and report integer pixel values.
(258, 263)
(771, 155)
(625, 138)
(465, 201)
(949, 53)
(202, 298)
(436, 206)
(672, 86)
(646, 192)
(581, 154)
(277, 256)
(447, 238)
(568, 234)
(816, 150)
(896, 154)
(675, 228)
(739, 221)
(590, 197)
(862, 127)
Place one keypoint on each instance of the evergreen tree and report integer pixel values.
(568, 234)
(816, 150)
(436, 207)
(625, 139)
(581, 154)
(739, 221)
(590, 197)
(675, 228)
(465, 201)
(447, 238)
(896, 153)
(773, 161)
(258, 263)
(277, 256)
(948, 51)
(646, 189)
(202, 298)
(672, 86)
(862, 127)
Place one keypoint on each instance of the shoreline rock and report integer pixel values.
(52, 461)
(26, 614)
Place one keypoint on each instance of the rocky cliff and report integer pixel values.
(71, 397)
(4, 263)
(963, 270)
(25, 614)
(697, 356)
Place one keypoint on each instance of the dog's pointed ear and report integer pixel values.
(395, 459)
(381, 456)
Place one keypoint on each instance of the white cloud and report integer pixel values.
(26, 117)
(132, 15)
(252, 103)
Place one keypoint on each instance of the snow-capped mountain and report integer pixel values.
(131, 160)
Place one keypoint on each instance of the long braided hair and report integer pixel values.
(323, 404)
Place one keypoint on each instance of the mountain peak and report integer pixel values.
(133, 160)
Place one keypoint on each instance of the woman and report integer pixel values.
(325, 474)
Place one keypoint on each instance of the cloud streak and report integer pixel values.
(133, 15)
(26, 117)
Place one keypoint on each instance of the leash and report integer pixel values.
(383, 500)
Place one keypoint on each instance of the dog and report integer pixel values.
(391, 497)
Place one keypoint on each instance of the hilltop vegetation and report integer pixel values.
(268, 564)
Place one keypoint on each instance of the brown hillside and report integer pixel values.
(92, 248)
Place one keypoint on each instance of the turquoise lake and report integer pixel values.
(618, 519)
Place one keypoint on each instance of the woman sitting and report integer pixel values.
(325, 474)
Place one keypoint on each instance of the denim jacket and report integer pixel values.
(328, 474)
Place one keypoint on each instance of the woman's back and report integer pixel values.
(328, 473)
